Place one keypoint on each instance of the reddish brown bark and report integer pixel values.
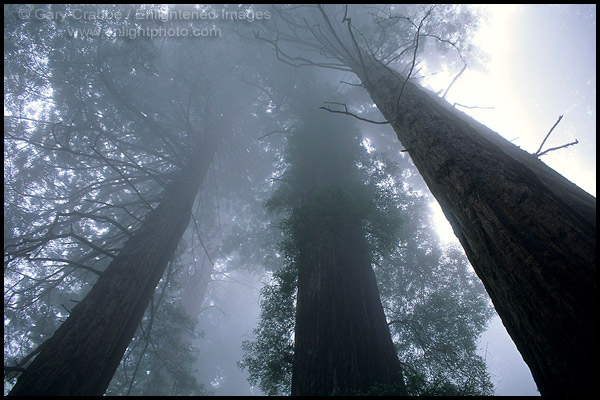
(528, 232)
(343, 343)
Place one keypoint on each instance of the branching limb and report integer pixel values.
(537, 153)
(353, 84)
(556, 148)
(283, 131)
(465, 106)
(124, 178)
(346, 112)
(298, 61)
(71, 263)
(17, 369)
(96, 217)
(414, 58)
(454, 80)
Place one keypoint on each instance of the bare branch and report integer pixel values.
(8, 369)
(353, 84)
(19, 367)
(74, 264)
(454, 80)
(465, 106)
(351, 57)
(346, 112)
(283, 131)
(299, 61)
(124, 178)
(556, 148)
(414, 59)
(96, 217)
(537, 153)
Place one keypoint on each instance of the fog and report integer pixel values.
(197, 198)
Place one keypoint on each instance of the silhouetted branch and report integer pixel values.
(8, 369)
(124, 178)
(346, 112)
(74, 264)
(353, 84)
(556, 148)
(414, 58)
(465, 106)
(537, 153)
(283, 131)
(454, 80)
(19, 367)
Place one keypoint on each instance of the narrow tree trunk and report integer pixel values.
(83, 354)
(342, 340)
(528, 232)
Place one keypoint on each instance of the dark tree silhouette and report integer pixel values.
(83, 354)
(342, 341)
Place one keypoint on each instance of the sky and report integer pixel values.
(542, 64)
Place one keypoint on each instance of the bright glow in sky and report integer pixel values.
(542, 64)
(442, 226)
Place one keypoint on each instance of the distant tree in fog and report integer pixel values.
(343, 209)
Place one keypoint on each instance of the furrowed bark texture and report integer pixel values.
(528, 232)
(84, 353)
(342, 340)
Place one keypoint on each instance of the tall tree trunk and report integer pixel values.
(342, 340)
(529, 233)
(83, 354)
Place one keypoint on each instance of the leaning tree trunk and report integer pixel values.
(83, 354)
(342, 340)
(529, 233)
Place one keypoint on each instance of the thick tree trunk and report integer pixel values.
(342, 341)
(528, 232)
(83, 354)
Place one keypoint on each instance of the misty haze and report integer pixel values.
(320, 200)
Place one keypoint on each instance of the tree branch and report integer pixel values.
(283, 131)
(346, 112)
(465, 106)
(537, 153)
(454, 80)
(556, 148)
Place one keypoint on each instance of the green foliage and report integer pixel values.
(436, 305)
(418, 385)
(437, 308)
(269, 357)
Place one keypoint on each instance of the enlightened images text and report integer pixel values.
(246, 15)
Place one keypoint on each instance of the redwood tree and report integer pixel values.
(342, 341)
(529, 233)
